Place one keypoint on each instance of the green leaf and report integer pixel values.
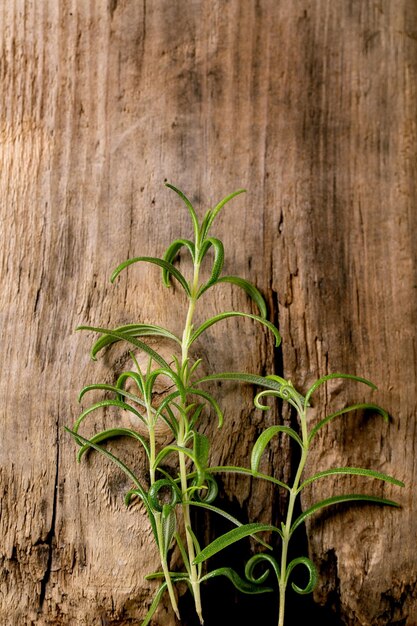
(265, 438)
(188, 205)
(136, 377)
(171, 421)
(287, 390)
(111, 433)
(230, 518)
(204, 226)
(196, 548)
(169, 373)
(201, 449)
(117, 390)
(247, 472)
(250, 289)
(204, 488)
(220, 205)
(324, 379)
(172, 252)
(163, 483)
(196, 415)
(169, 524)
(352, 471)
(134, 342)
(261, 381)
(104, 403)
(222, 316)
(86, 442)
(287, 393)
(133, 330)
(183, 552)
(210, 399)
(173, 448)
(312, 574)
(353, 407)
(337, 500)
(253, 562)
(242, 585)
(231, 537)
(155, 604)
(176, 577)
(217, 265)
(156, 261)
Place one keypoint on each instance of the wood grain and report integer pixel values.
(311, 107)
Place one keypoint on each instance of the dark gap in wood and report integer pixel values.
(51, 533)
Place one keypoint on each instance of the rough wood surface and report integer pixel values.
(310, 105)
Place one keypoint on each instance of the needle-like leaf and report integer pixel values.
(265, 438)
(231, 537)
(210, 399)
(133, 330)
(243, 377)
(324, 379)
(246, 472)
(129, 339)
(220, 205)
(172, 252)
(228, 314)
(250, 289)
(87, 442)
(120, 392)
(218, 262)
(111, 433)
(354, 407)
(189, 206)
(356, 497)
(105, 403)
(230, 518)
(352, 471)
(156, 261)
(242, 585)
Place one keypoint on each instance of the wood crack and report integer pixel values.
(51, 533)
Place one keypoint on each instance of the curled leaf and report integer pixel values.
(253, 563)
(312, 574)
(166, 485)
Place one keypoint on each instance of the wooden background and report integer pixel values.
(311, 106)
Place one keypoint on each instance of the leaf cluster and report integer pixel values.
(189, 480)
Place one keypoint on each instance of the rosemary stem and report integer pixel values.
(288, 522)
(194, 579)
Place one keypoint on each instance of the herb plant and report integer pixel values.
(282, 569)
(189, 480)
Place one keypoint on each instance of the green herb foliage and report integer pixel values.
(282, 568)
(168, 496)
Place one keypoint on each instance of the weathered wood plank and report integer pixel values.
(311, 106)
